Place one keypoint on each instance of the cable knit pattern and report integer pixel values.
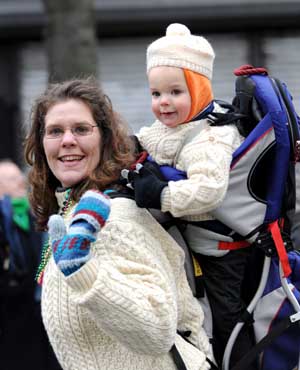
(121, 309)
(162, 142)
(206, 160)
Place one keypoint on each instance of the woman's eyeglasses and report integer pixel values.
(78, 130)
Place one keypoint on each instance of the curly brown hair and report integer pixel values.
(116, 150)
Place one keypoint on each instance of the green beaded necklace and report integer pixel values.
(47, 249)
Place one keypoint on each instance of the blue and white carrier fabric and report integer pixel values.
(260, 194)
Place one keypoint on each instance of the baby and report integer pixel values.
(184, 136)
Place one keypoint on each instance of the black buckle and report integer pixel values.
(265, 242)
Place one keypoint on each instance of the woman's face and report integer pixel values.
(71, 141)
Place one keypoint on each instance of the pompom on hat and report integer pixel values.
(179, 48)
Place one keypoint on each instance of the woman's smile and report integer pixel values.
(71, 159)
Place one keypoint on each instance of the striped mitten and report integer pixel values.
(72, 250)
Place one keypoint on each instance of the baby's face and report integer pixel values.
(171, 100)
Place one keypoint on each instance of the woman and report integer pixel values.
(115, 292)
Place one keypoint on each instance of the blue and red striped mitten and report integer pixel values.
(71, 250)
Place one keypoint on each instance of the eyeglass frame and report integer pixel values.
(43, 131)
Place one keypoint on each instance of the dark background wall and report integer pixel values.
(259, 32)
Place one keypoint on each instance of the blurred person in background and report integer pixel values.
(23, 340)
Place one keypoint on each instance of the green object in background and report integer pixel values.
(20, 208)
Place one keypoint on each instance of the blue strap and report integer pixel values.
(170, 173)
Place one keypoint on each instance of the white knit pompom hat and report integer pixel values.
(179, 48)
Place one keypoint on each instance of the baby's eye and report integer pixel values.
(155, 94)
(176, 92)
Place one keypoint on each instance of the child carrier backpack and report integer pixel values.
(260, 195)
(261, 192)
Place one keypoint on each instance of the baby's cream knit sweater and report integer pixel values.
(206, 160)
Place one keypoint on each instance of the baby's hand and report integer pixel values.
(148, 186)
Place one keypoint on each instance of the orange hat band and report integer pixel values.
(200, 90)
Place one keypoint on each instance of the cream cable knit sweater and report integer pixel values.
(121, 310)
(206, 160)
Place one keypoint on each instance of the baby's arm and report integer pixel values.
(206, 160)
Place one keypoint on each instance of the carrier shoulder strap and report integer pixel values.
(124, 192)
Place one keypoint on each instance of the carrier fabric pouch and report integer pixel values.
(283, 352)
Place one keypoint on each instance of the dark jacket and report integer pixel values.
(23, 340)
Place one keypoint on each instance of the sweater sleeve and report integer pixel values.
(206, 160)
(129, 288)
